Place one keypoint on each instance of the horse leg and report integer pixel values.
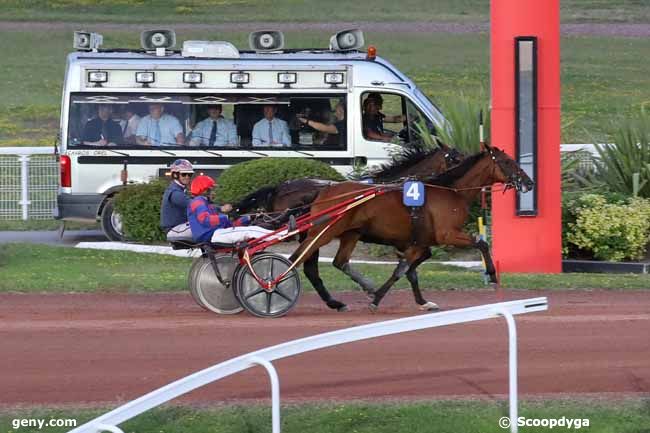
(412, 276)
(342, 261)
(311, 271)
(402, 268)
(308, 251)
(484, 248)
(461, 239)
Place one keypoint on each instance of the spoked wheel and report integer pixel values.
(208, 291)
(276, 302)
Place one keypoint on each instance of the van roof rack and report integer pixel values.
(282, 51)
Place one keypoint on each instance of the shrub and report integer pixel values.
(607, 228)
(139, 206)
(242, 179)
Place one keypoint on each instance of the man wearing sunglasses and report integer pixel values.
(173, 209)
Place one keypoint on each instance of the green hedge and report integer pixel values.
(242, 179)
(139, 206)
(606, 227)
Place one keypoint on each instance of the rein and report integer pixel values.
(506, 186)
(327, 200)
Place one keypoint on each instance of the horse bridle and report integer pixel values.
(451, 156)
(514, 179)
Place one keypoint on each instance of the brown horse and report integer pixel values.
(297, 195)
(385, 219)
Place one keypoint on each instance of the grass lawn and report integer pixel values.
(219, 11)
(421, 417)
(41, 268)
(597, 87)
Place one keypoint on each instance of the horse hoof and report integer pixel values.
(336, 305)
(373, 307)
(493, 286)
(343, 309)
(429, 306)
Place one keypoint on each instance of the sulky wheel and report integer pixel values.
(209, 291)
(196, 263)
(276, 302)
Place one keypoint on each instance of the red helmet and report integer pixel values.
(201, 184)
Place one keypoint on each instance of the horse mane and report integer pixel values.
(260, 198)
(408, 157)
(450, 176)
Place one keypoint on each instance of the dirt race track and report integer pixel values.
(95, 349)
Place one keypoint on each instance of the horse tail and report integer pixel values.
(261, 198)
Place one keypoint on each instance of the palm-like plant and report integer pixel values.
(462, 115)
(630, 154)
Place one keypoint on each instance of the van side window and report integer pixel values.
(319, 123)
(379, 124)
(227, 121)
(393, 118)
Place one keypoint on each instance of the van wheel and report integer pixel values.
(112, 223)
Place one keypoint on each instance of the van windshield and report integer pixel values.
(265, 121)
(433, 110)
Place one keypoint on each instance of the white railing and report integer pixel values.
(29, 178)
(110, 420)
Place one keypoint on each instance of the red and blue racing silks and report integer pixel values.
(204, 219)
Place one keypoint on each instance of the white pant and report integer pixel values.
(232, 235)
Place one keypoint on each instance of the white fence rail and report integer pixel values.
(111, 420)
(29, 179)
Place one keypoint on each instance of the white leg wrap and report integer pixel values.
(429, 306)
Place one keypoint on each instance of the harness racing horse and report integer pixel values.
(299, 194)
(385, 219)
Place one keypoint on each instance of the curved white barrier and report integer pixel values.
(263, 357)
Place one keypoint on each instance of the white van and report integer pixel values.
(128, 114)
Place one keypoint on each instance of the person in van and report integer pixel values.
(173, 209)
(209, 224)
(271, 131)
(215, 130)
(159, 129)
(129, 123)
(102, 130)
(373, 119)
(337, 131)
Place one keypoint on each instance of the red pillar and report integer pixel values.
(527, 244)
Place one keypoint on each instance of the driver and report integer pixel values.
(373, 119)
(175, 200)
(208, 224)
